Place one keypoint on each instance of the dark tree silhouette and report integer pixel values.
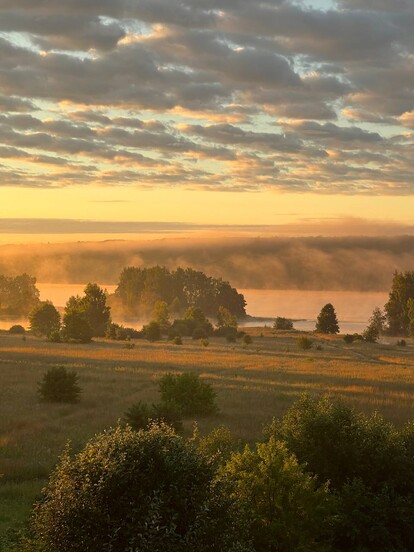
(327, 321)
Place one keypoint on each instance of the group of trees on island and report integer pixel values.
(140, 288)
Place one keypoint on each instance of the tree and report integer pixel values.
(284, 507)
(98, 314)
(327, 321)
(162, 314)
(44, 319)
(59, 385)
(76, 327)
(396, 309)
(135, 490)
(225, 319)
(375, 326)
(18, 295)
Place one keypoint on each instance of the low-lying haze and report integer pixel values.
(310, 263)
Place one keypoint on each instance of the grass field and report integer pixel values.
(253, 384)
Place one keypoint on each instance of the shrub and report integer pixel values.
(120, 333)
(140, 415)
(349, 338)
(167, 413)
(17, 329)
(152, 331)
(59, 385)
(178, 340)
(401, 343)
(304, 343)
(188, 394)
(147, 490)
(247, 339)
(282, 323)
(205, 342)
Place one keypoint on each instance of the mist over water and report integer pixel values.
(305, 263)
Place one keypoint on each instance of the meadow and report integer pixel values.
(253, 383)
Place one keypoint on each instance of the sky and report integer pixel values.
(181, 116)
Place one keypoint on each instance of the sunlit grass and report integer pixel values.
(253, 384)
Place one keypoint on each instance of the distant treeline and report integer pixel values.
(140, 288)
(318, 263)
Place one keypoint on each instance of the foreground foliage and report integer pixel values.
(370, 467)
(148, 491)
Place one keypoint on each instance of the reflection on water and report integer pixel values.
(353, 308)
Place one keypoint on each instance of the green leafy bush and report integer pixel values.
(284, 508)
(59, 385)
(188, 394)
(369, 464)
(128, 491)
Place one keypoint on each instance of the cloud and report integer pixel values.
(229, 95)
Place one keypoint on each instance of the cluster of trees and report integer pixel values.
(84, 317)
(140, 288)
(89, 316)
(324, 478)
(18, 295)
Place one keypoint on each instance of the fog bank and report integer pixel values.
(305, 263)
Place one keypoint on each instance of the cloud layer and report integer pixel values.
(232, 95)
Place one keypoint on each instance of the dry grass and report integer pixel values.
(253, 384)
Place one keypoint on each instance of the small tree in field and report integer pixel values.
(188, 393)
(44, 319)
(327, 321)
(375, 326)
(59, 385)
